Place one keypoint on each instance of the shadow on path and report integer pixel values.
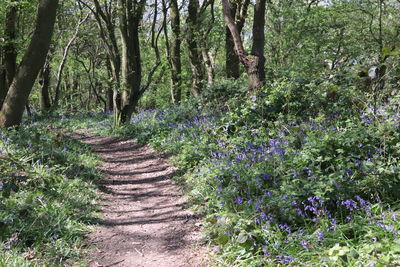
(144, 220)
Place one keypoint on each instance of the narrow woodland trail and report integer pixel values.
(144, 218)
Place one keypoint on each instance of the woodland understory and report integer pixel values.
(283, 118)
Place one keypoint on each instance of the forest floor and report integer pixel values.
(145, 220)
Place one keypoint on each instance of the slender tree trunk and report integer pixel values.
(209, 64)
(176, 65)
(64, 61)
(254, 62)
(32, 62)
(257, 50)
(110, 89)
(232, 62)
(194, 49)
(44, 81)
(3, 87)
(105, 17)
(381, 71)
(10, 52)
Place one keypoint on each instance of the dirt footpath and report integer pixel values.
(145, 221)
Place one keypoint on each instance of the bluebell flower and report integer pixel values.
(285, 227)
(300, 212)
(265, 177)
(320, 236)
(265, 251)
(347, 173)
(285, 259)
(304, 243)
(239, 200)
(307, 172)
(349, 204)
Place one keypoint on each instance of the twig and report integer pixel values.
(141, 254)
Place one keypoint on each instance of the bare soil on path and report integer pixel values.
(145, 221)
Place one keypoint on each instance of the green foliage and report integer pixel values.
(295, 190)
(47, 196)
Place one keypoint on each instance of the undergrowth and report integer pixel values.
(280, 182)
(47, 196)
(278, 189)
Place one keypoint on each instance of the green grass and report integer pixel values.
(47, 198)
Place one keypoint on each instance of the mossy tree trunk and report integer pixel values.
(195, 56)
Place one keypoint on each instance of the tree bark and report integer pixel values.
(32, 62)
(194, 49)
(176, 65)
(44, 81)
(10, 52)
(257, 49)
(110, 89)
(209, 64)
(131, 16)
(3, 87)
(232, 62)
(254, 62)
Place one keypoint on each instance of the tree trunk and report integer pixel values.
(3, 87)
(231, 59)
(32, 62)
(209, 64)
(44, 82)
(257, 48)
(105, 18)
(254, 62)
(10, 52)
(194, 49)
(8, 65)
(176, 65)
(131, 16)
(232, 62)
(110, 89)
(64, 60)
